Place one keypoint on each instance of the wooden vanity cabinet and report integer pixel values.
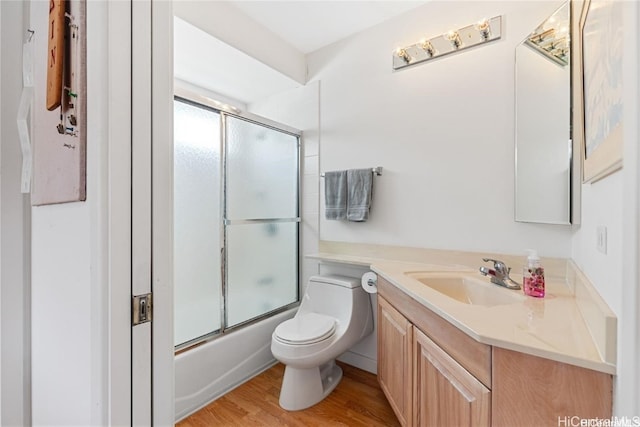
(424, 384)
(532, 391)
(433, 374)
(444, 393)
(395, 360)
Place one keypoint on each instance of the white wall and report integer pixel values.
(420, 122)
(15, 371)
(371, 116)
(69, 280)
(443, 131)
(613, 203)
(1, 219)
(628, 381)
(602, 206)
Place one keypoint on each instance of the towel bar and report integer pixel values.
(377, 170)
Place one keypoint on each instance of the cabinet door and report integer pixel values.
(445, 394)
(395, 342)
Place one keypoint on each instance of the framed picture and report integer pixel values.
(59, 105)
(601, 40)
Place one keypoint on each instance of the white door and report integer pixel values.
(151, 211)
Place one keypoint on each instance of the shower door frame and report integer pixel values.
(225, 111)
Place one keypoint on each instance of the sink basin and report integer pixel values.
(467, 288)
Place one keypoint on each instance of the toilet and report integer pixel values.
(335, 313)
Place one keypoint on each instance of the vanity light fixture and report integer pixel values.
(454, 38)
(551, 39)
(483, 31)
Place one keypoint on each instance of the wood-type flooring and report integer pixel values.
(356, 401)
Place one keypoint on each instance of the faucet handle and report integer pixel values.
(500, 266)
(499, 274)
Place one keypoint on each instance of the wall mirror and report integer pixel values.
(543, 122)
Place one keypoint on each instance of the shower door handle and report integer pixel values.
(223, 268)
(223, 287)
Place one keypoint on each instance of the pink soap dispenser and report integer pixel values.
(533, 276)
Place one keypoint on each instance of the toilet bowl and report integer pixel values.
(335, 313)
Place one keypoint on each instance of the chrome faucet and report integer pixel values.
(499, 274)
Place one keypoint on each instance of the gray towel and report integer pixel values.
(359, 184)
(335, 194)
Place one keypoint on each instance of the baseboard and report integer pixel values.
(360, 361)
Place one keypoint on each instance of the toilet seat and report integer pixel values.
(306, 328)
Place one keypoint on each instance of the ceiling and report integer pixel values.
(238, 77)
(304, 24)
(310, 25)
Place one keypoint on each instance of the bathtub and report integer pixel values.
(206, 372)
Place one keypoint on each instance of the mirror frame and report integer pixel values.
(608, 157)
(574, 163)
(576, 9)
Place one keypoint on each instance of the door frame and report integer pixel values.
(163, 398)
(119, 212)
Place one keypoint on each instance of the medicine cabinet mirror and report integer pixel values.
(543, 122)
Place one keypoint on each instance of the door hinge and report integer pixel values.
(142, 309)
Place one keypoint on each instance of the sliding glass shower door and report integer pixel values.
(197, 233)
(236, 209)
(261, 219)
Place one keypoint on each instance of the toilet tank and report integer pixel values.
(336, 296)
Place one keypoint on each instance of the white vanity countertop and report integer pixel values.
(551, 327)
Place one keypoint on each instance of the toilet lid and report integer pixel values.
(306, 329)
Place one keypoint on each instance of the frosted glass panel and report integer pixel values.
(262, 269)
(262, 172)
(197, 276)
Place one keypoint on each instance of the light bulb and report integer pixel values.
(454, 38)
(483, 28)
(402, 53)
(427, 47)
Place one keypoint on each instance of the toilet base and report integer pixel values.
(303, 388)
